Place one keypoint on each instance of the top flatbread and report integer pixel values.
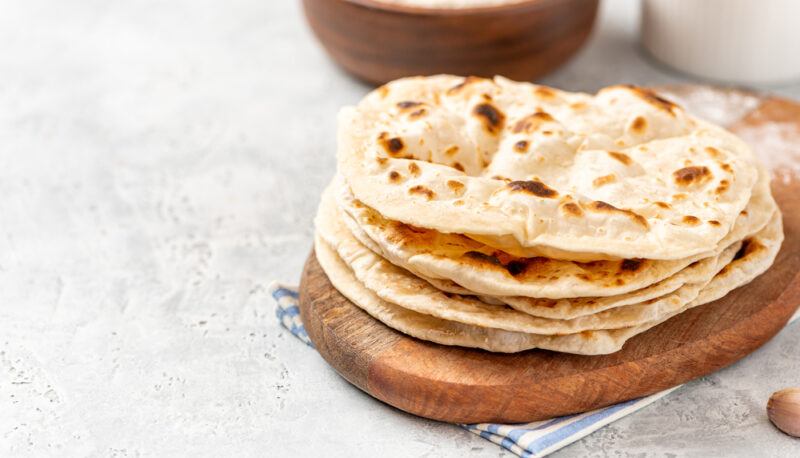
(513, 164)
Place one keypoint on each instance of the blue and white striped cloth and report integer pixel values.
(535, 439)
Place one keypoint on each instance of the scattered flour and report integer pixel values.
(778, 147)
(717, 106)
(776, 144)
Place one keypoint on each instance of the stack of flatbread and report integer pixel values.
(509, 216)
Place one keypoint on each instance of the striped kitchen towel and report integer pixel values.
(535, 439)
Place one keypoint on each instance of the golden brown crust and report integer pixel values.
(421, 191)
(533, 187)
(492, 118)
(692, 175)
(621, 157)
(604, 180)
(530, 123)
(393, 146)
(600, 206)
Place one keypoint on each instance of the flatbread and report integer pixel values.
(400, 287)
(753, 259)
(624, 171)
(754, 218)
(481, 269)
(446, 332)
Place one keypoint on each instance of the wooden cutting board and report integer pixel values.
(469, 386)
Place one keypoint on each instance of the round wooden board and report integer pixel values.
(470, 386)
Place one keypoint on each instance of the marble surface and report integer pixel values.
(160, 163)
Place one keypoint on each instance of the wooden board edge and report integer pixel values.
(376, 375)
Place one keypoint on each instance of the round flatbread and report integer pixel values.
(624, 172)
(398, 286)
(752, 220)
(484, 270)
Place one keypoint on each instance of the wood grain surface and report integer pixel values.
(466, 385)
(380, 42)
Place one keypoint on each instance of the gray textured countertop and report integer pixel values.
(160, 163)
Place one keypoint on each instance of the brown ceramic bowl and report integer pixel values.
(379, 42)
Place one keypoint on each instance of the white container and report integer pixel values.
(741, 41)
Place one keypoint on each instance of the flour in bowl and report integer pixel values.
(451, 3)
